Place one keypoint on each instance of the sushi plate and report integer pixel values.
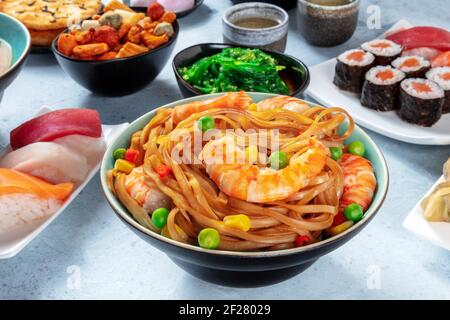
(14, 240)
(437, 233)
(323, 90)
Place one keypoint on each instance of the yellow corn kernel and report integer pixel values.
(124, 166)
(251, 154)
(238, 221)
(341, 228)
(253, 107)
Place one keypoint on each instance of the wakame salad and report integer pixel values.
(235, 69)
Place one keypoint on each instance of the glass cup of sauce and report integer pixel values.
(327, 23)
(257, 24)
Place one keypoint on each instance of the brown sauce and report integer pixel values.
(256, 23)
(330, 2)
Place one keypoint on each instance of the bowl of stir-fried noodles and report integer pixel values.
(249, 221)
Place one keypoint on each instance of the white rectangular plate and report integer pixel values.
(14, 240)
(437, 233)
(389, 124)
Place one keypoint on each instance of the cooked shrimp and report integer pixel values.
(144, 193)
(284, 102)
(359, 181)
(252, 183)
(232, 100)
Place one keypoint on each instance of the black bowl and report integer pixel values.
(285, 4)
(296, 80)
(117, 77)
(241, 269)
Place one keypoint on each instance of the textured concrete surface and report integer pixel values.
(89, 241)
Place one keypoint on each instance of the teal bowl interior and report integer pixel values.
(373, 153)
(18, 37)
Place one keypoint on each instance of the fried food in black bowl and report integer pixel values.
(119, 53)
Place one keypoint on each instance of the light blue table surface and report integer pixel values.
(383, 262)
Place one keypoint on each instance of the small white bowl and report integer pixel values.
(271, 38)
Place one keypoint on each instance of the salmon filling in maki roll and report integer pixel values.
(421, 101)
(412, 66)
(380, 90)
(385, 51)
(351, 67)
(442, 77)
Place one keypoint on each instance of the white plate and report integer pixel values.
(437, 233)
(14, 240)
(389, 124)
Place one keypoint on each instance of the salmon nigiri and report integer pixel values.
(24, 198)
(442, 60)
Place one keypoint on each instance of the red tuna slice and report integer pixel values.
(418, 37)
(57, 124)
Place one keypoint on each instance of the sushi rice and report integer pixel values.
(441, 76)
(373, 75)
(356, 57)
(433, 91)
(382, 47)
(18, 209)
(411, 63)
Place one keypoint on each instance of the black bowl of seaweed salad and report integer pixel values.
(215, 67)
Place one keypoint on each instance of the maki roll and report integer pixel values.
(442, 77)
(412, 66)
(421, 101)
(380, 90)
(385, 51)
(351, 67)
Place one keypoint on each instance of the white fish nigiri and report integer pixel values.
(50, 161)
(92, 148)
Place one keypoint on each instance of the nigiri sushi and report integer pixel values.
(57, 124)
(91, 148)
(24, 198)
(421, 37)
(50, 161)
(442, 60)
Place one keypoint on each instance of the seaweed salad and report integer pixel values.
(235, 69)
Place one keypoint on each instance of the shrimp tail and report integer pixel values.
(232, 100)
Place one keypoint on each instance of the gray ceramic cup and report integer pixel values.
(272, 38)
(327, 26)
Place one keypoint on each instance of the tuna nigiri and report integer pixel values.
(422, 37)
(48, 160)
(24, 198)
(57, 124)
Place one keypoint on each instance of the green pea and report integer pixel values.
(353, 212)
(159, 217)
(357, 148)
(336, 153)
(278, 160)
(206, 123)
(209, 238)
(119, 153)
